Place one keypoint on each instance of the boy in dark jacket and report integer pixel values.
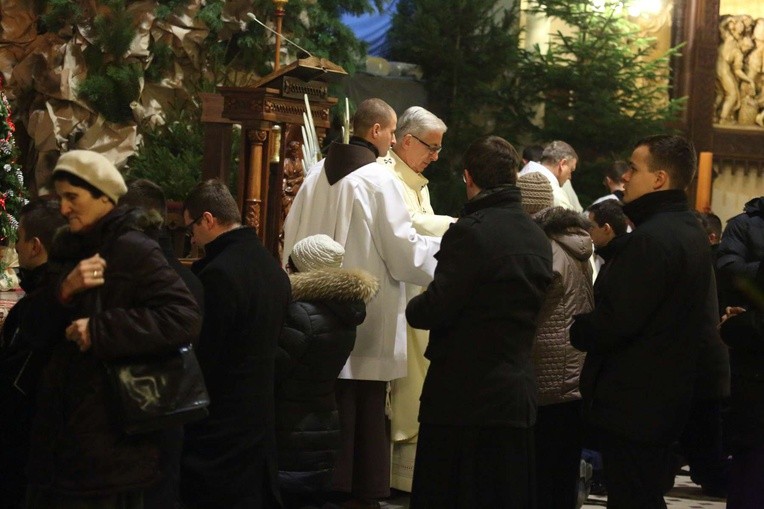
(20, 365)
(317, 338)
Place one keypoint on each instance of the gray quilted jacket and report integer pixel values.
(557, 364)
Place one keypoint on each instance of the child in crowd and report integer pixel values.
(318, 335)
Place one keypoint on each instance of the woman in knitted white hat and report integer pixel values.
(317, 338)
(114, 297)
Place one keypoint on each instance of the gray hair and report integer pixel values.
(418, 121)
(556, 151)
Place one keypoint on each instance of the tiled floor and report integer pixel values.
(685, 495)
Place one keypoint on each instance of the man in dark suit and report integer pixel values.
(229, 458)
(646, 332)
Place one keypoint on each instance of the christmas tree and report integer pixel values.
(12, 193)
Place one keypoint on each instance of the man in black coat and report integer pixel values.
(646, 331)
(229, 458)
(478, 403)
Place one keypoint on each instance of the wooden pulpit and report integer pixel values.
(270, 113)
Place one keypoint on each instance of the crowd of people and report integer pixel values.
(470, 361)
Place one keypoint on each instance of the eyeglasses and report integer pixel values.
(190, 226)
(434, 149)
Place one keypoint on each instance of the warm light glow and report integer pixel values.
(645, 7)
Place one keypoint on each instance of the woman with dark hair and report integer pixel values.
(114, 297)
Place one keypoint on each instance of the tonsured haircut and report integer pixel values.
(372, 111)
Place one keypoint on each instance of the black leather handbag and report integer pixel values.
(158, 392)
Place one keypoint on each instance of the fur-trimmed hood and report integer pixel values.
(342, 285)
(568, 228)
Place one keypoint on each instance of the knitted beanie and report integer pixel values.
(536, 192)
(94, 169)
(317, 252)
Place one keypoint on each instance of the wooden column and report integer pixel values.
(254, 190)
(279, 18)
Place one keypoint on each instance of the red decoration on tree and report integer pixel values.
(12, 192)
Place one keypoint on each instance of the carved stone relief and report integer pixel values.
(740, 72)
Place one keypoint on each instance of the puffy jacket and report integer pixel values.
(739, 253)
(558, 365)
(317, 338)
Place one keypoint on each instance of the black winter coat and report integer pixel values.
(77, 446)
(230, 456)
(494, 268)
(740, 252)
(645, 334)
(744, 333)
(20, 367)
(317, 338)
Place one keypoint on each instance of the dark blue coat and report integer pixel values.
(739, 253)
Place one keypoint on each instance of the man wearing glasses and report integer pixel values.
(229, 458)
(419, 140)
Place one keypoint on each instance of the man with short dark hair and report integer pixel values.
(644, 337)
(613, 181)
(712, 225)
(478, 404)
(19, 365)
(608, 222)
(229, 458)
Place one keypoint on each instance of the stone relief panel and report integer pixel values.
(739, 101)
